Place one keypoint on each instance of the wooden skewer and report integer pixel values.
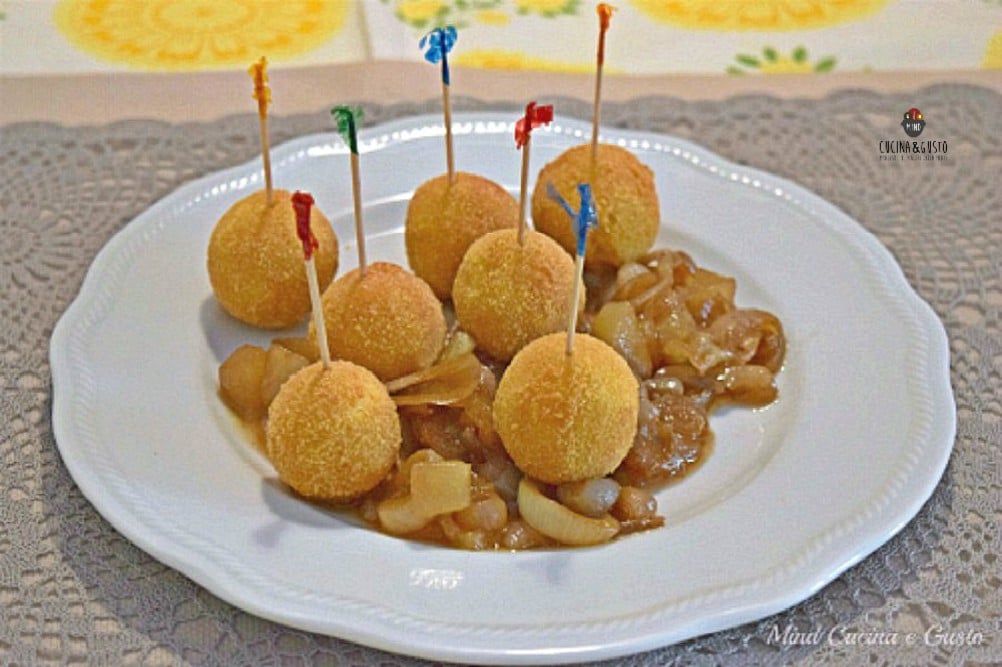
(583, 219)
(604, 15)
(596, 114)
(523, 203)
(266, 158)
(318, 312)
(572, 318)
(262, 93)
(447, 112)
(356, 190)
(302, 203)
(346, 119)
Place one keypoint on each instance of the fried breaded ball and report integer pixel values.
(333, 434)
(625, 198)
(442, 221)
(507, 294)
(566, 418)
(388, 321)
(255, 261)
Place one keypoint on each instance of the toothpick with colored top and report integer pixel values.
(347, 120)
(585, 218)
(534, 117)
(303, 202)
(604, 17)
(436, 45)
(262, 93)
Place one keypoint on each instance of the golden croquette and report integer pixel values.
(388, 320)
(442, 221)
(255, 261)
(507, 294)
(625, 199)
(565, 418)
(333, 434)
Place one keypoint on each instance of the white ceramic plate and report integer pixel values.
(792, 495)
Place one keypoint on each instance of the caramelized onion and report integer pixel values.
(444, 383)
(478, 408)
(617, 324)
(457, 344)
(400, 516)
(662, 383)
(486, 514)
(640, 299)
(754, 336)
(672, 436)
(704, 354)
(636, 510)
(591, 497)
(633, 279)
(560, 523)
(750, 385)
(440, 487)
(436, 487)
(519, 535)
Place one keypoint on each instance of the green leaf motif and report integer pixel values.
(826, 65)
(750, 61)
(799, 54)
(770, 54)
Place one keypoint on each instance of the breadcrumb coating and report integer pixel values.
(625, 198)
(565, 418)
(507, 294)
(443, 221)
(333, 434)
(255, 261)
(388, 321)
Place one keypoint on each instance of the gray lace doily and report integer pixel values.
(72, 589)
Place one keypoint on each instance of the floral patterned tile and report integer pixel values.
(48, 36)
(727, 37)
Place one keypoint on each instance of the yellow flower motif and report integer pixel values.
(420, 12)
(546, 7)
(757, 14)
(784, 65)
(993, 53)
(514, 60)
(493, 17)
(197, 34)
